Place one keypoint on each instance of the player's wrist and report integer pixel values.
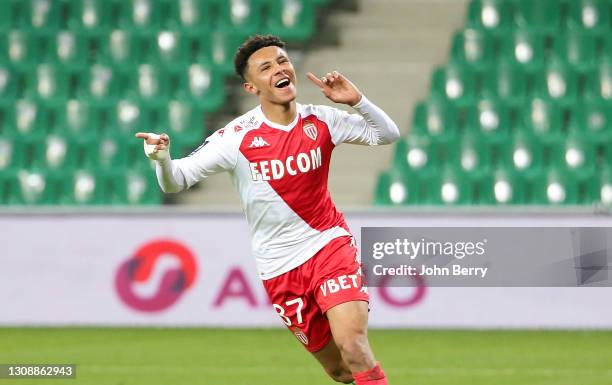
(356, 101)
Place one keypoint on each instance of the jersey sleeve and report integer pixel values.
(370, 126)
(219, 152)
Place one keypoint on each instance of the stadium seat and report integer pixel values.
(577, 156)
(591, 15)
(8, 86)
(82, 187)
(523, 156)
(50, 82)
(69, 49)
(191, 16)
(183, 121)
(200, 85)
(396, 188)
(489, 119)
(121, 49)
(244, 17)
(42, 15)
(141, 16)
(543, 15)
(134, 188)
(437, 119)
(473, 48)
(99, 82)
(292, 20)
(578, 48)
(506, 82)
(543, 119)
(491, 15)
(20, 47)
(557, 83)
(524, 47)
(416, 155)
(473, 155)
(598, 85)
(451, 187)
(592, 121)
(602, 186)
(454, 83)
(34, 187)
(557, 187)
(501, 187)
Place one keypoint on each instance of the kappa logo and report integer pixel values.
(310, 130)
(257, 142)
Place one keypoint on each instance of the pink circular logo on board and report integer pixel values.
(140, 270)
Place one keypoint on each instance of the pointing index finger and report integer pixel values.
(142, 135)
(315, 80)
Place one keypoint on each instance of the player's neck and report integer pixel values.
(282, 114)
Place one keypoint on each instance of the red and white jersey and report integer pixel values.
(281, 175)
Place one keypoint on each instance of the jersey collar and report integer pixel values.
(288, 127)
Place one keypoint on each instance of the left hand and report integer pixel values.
(337, 88)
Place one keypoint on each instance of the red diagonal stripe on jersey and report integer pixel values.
(305, 193)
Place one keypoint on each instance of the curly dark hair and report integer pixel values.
(249, 47)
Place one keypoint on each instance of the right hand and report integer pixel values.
(156, 147)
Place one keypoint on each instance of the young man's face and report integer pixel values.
(270, 75)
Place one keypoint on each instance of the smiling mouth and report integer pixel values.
(283, 83)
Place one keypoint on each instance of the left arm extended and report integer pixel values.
(372, 126)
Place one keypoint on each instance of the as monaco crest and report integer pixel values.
(310, 130)
(300, 334)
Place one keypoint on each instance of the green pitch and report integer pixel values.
(274, 357)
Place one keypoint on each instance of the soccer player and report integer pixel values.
(278, 155)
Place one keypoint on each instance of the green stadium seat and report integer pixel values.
(183, 121)
(416, 155)
(169, 48)
(148, 83)
(141, 16)
(591, 15)
(191, 16)
(244, 17)
(292, 20)
(602, 186)
(524, 155)
(200, 84)
(220, 50)
(489, 119)
(578, 48)
(82, 187)
(558, 187)
(501, 187)
(507, 82)
(9, 11)
(135, 187)
(543, 119)
(491, 15)
(109, 153)
(454, 83)
(598, 85)
(49, 82)
(91, 17)
(557, 83)
(69, 49)
(25, 117)
(12, 152)
(8, 86)
(99, 82)
(524, 47)
(121, 49)
(577, 156)
(473, 155)
(396, 188)
(76, 118)
(34, 187)
(20, 47)
(451, 187)
(472, 48)
(42, 15)
(437, 119)
(127, 118)
(592, 121)
(543, 15)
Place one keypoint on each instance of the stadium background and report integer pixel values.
(507, 103)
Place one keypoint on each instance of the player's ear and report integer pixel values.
(250, 88)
